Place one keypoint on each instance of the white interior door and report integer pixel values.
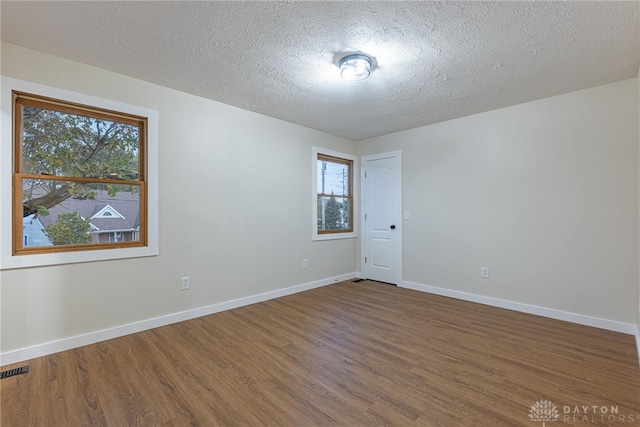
(382, 217)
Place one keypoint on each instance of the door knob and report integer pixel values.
(393, 227)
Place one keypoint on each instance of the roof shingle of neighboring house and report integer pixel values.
(126, 204)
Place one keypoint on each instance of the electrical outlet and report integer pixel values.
(484, 272)
(305, 263)
(184, 284)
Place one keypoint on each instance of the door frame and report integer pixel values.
(364, 267)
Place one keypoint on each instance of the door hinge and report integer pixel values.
(365, 260)
(365, 217)
(365, 174)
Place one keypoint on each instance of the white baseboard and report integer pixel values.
(27, 353)
(581, 319)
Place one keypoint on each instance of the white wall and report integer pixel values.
(235, 215)
(545, 194)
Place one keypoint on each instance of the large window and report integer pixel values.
(334, 194)
(79, 180)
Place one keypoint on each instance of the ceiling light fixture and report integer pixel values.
(356, 66)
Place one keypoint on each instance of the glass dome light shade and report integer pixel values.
(355, 67)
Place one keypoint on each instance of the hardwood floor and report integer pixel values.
(348, 354)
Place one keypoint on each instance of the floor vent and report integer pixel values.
(15, 371)
(357, 280)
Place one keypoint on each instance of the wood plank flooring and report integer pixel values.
(349, 354)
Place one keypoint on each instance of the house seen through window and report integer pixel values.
(79, 177)
(335, 194)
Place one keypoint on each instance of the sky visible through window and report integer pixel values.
(333, 178)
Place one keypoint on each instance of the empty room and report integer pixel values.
(313, 213)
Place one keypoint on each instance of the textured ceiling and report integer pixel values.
(435, 60)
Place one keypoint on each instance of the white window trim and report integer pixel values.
(314, 203)
(7, 259)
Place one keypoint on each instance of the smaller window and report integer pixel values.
(335, 202)
(334, 195)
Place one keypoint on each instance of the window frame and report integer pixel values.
(339, 157)
(9, 152)
(21, 100)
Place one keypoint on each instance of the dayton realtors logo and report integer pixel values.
(546, 411)
(596, 414)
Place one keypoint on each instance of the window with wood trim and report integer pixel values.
(79, 180)
(334, 194)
